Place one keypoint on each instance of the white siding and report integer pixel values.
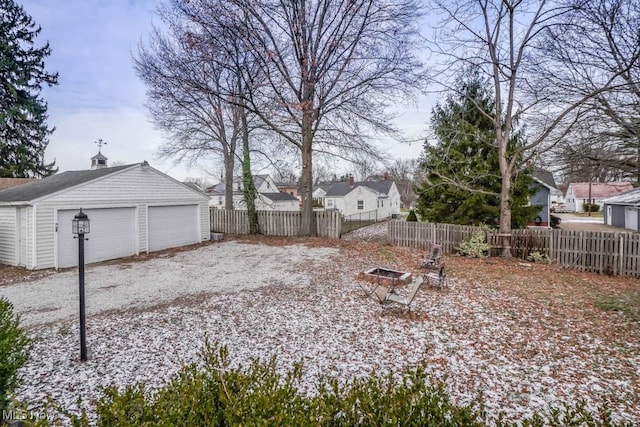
(135, 187)
(394, 200)
(8, 235)
(350, 201)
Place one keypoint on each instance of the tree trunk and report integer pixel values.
(505, 216)
(229, 162)
(249, 188)
(505, 195)
(308, 220)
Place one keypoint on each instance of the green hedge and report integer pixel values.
(594, 207)
(15, 347)
(212, 393)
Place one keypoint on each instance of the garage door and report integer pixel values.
(173, 226)
(631, 218)
(112, 235)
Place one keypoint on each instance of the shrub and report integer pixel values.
(594, 207)
(412, 216)
(215, 395)
(538, 257)
(211, 393)
(15, 347)
(475, 246)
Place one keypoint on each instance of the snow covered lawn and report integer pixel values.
(524, 336)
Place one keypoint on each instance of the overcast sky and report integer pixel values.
(99, 94)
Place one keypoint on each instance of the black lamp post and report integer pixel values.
(80, 227)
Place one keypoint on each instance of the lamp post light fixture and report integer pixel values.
(80, 227)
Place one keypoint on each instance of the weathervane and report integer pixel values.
(100, 143)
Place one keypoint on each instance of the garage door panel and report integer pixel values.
(172, 226)
(112, 235)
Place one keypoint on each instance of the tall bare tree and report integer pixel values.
(184, 87)
(601, 40)
(500, 38)
(330, 68)
(402, 172)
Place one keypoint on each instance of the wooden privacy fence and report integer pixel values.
(594, 251)
(274, 223)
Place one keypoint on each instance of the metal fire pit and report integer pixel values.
(386, 277)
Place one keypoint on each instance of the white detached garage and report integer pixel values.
(133, 209)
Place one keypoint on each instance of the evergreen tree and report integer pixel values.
(463, 180)
(23, 114)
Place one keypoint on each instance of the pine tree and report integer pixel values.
(462, 174)
(23, 113)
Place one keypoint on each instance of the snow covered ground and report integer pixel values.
(303, 303)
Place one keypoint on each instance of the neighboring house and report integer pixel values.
(546, 194)
(578, 193)
(12, 182)
(290, 188)
(623, 210)
(194, 186)
(376, 199)
(269, 197)
(132, 209)
(319, 191)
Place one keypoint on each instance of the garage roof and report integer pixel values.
(630, 198)
(51, 184)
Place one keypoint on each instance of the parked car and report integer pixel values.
(559, 208)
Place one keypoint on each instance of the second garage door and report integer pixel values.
(112, 235)
(173, 226)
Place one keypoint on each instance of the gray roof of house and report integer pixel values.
(54, 183)
(194, 186)
(279, 196)
(630, 198)
(343, 188)
(219, 189)
(545, 177)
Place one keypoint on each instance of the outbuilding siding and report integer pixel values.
(617, 216)
(8, 237)
(136, 187)
(541, 198)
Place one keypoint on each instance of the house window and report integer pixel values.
(382, 203)
(219, 200)
(329, 203)
(360, 205)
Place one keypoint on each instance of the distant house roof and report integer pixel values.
(339, 189)
(194, 186)
(544, 177)
(322, 186)
(219, 189)
(275, 197)
(630, 198)
(12, 182)
(599, 190)
(54, 183)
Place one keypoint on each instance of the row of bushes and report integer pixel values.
(213, 393)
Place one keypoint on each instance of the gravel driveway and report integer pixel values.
(124, 286)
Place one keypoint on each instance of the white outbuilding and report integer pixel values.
(132, 209)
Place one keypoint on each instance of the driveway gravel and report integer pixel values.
(124, 286)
